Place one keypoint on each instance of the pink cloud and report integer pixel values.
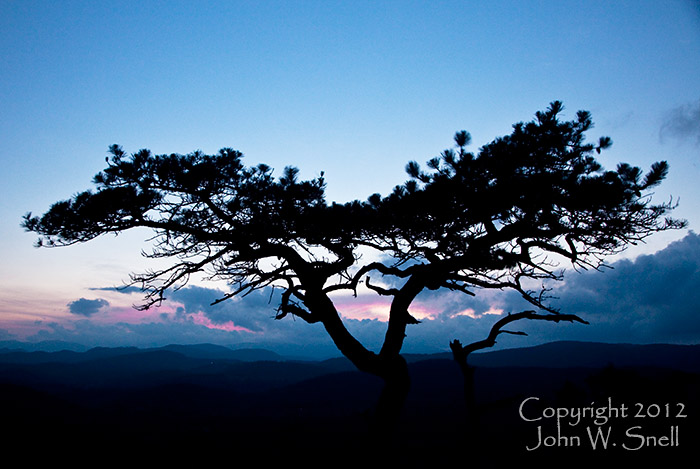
(201, 319)
(359, 309)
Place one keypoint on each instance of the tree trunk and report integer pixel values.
(460, 355)
(392, 399)
(393, 368)
(388, 365)
(470, 397)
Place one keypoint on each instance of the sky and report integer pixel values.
(356, 90)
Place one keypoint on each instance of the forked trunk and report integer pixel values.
(388, 365)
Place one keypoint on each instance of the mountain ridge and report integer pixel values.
(185, 396)
(557, 354)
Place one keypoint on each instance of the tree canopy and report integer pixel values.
(495, 219)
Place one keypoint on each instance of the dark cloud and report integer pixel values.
(682, 123)
(653, 298)
(85, 307)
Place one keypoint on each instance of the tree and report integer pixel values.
(485, 221)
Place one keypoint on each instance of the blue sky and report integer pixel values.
(354, 89)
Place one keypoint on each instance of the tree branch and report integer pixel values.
(460, 352)
(380, 290)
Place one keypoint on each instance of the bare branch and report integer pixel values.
(380, 290)
(461, 352)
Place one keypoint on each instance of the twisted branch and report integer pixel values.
(461, 352)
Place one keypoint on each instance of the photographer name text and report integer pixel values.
(630, 426)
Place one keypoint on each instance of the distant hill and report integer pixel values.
(215, 398)
(43, 346)
(566, 354)
(22, 353)
(247, 370)
(562, 354)
(220, 352)
(251, 370)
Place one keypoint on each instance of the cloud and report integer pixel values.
(287, 337)
(682, 123)
(87, 308)
(7, 335)
(652, 298)
(251, 312)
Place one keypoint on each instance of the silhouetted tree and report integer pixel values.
(484, 221)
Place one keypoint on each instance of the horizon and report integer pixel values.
(57, 346)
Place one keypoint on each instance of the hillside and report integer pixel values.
(223, 399)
